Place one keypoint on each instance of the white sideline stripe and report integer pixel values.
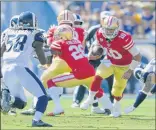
(63, 78)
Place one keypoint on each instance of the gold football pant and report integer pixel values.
(57, 67)
(119, 83)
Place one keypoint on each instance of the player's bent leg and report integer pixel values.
(58, 66)
(118, 89)
(101, 72)
(143, 93)
(55, 93)
(35, 87)
(104, 101)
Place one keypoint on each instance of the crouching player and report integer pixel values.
(147, 76)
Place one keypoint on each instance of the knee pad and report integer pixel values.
(18, 103)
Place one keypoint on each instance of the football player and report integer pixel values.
(71, 51)
(17, 47)
(147, 76)
(38, 71)
(52, 71)
(123, 58)
(80, 91)
(58, 65)
(13, 25)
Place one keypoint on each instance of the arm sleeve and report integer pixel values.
(38, 46)
(56, 46)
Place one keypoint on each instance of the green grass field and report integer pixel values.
(142, 118)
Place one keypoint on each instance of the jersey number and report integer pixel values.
(77, 51)
(114, 54)
(16, 43)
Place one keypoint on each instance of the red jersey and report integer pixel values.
(79, 34)
(117, 49)
(72, 52)
(50, 35)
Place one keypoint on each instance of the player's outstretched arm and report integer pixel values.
(38, 46)
(135, 62)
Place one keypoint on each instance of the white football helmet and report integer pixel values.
(64, 32)
(110, 27)
(66, 16)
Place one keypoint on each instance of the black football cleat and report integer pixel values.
(40, 124)
(107, 112)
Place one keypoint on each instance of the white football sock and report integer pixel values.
(91, 95)
(37, 116)
(117, 106)
(54, 93)
(105, 102)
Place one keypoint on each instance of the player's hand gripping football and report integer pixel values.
(96, 52)
(127, 74)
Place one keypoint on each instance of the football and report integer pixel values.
(97, 50)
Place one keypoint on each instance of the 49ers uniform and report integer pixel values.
(80, 34)
(59, 66)
(72, 52)
(120, 58)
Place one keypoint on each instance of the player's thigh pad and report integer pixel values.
(119, 83)
(104, 71)
(69, 80)
(58, 66)
(30, 81)
(11, 81)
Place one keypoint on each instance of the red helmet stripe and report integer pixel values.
(111, 20)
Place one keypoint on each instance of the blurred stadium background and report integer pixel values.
(137, 18)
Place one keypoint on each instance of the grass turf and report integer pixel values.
(74, 118)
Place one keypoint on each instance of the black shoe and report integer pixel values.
(107, 112)
(40, 124)
(5, 101)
